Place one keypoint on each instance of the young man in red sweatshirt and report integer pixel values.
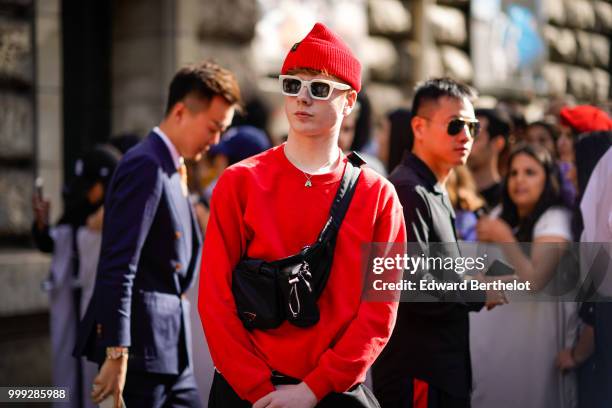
(269, 207)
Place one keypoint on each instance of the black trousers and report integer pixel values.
(161, 390)
(222, 395)
(414, 393)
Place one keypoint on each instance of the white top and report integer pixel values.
(176, 157)
(596, 208)
(596, 204)
(556, 222)
(514, 347)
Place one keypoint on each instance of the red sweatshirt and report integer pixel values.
(260, 208)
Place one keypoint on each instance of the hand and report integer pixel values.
(495, 298)
(565, 360)
(110, 380)
(288, 396)
(41, 208)
(95, 220)
(493, 230)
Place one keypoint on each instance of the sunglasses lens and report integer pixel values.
(455, 126)
(292, 86)
(474, 129)
(320, 89)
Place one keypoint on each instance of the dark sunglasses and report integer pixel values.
(455, 126)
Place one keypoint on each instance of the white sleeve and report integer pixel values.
(556, 222)
(496, 212)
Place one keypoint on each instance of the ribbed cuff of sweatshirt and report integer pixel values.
(259, 392)
(318, 383)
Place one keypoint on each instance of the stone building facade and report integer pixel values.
(30, 135)
(578, 35)
(416, 39)
(16, 116)
(73, 73)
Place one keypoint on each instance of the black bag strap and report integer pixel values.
(343, 198)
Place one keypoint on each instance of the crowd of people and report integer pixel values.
(136, 232)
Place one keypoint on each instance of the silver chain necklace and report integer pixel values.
(308, 182)
(309, 176)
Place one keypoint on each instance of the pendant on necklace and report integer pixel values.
(308, 183)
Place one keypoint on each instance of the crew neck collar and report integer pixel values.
(316, 179)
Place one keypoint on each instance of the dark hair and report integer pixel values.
(499, 123)
(400, 136)
(363, 124)
(310, 71)
(256, 113)
(519, 123)
(436, 88)
(551, 195)
(205, 80)
(551, 129)
(95, 165)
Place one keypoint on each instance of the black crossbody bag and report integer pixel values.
(268, 293)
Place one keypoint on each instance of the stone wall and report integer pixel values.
(223, 32)
(152, 39)
(413, 40)
(449, 24)
(578, 35)
(16, 118)
(143, 62)
(16, 122)
(388, 53)
(30, 142)
(49, 97)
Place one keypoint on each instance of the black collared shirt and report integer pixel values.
(430, 340)
(430, 213)
(492, 194)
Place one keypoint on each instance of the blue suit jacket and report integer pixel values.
(145, 265)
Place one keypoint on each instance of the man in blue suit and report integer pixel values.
(137, 324)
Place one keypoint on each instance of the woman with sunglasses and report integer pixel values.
(514, 348)
(269, 207)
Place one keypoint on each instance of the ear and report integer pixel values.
(499, 143)
(178, 111)
(351, 99)
(418, 127)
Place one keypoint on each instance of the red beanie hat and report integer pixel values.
(585, 118)
(323, 49)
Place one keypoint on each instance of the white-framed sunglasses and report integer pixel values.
(321, 89)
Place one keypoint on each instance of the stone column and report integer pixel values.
(424, 38)
(30, 142)
(16, 119)
(144, 60)
(49, 128)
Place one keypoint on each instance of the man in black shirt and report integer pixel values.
(484, 159)
(427, 362)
